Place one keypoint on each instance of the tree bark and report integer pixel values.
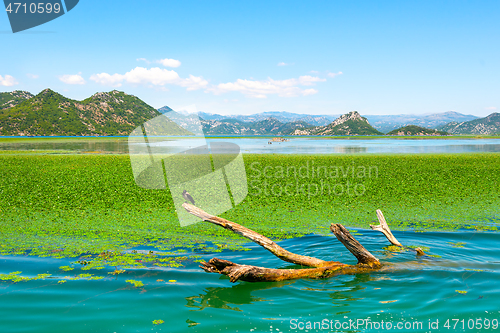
(364, 257)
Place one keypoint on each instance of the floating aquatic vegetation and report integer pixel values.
(457, 244)
(136, 283)
(158, 322)
(66, 268)
(85, 276)
(463, 292)
(15, 277)
(88, 207)
(117, 271)
(394, 248)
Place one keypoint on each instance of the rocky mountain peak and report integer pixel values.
(353, 115)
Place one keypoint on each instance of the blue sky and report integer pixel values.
(235, 57)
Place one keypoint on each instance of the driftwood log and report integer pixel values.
(367, 262)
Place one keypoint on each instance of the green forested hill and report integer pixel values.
(49, 113)
(10, 99)
(416, 130)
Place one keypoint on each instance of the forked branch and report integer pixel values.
(321, 269)
(384, 228)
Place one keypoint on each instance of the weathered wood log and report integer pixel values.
(322, 269)
(259, 274)
(383, 227)
(364, 257)
(259, 239)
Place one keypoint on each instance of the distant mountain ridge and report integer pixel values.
(50, 113)
(263, 127)
(383, 123)
(482, 126)
(282, 116)
(387, 123)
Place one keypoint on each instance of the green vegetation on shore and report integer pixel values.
(88, 206)
(416, 130)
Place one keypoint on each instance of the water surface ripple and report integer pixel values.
(411, 291)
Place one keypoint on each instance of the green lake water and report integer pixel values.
(459, 288)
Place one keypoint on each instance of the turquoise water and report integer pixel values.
(412, 292)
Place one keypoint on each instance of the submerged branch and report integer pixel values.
(367, 262)
(259, 239)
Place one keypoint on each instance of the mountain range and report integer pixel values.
(49, 113)
(482, 126)
(118, 113)
(383, 123)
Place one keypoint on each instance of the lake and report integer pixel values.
(454, 289)
(258, 145)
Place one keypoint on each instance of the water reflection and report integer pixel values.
(116, 146)
(238, 294)
(257, 145)
(344, 295)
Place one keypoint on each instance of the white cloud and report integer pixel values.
(261, 89)
(169, 62)
(32, 76)
(153, 76)
(194, 83)
(334, 74)
(7, 81)
(307, 80)
(491, 108)
(72, 79)
(307, 92)
(282, 64)
(107, 79)
(165, 62)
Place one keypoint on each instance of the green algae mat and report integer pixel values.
(88, 207)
